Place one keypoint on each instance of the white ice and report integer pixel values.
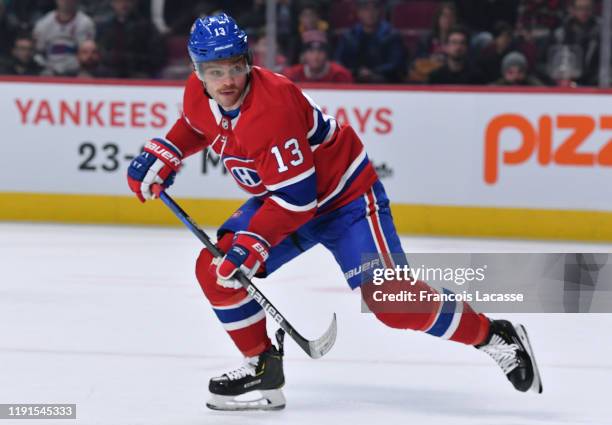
(112, 319)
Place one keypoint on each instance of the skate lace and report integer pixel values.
(248, 368)
(503, 353)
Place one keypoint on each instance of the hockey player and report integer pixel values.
(311, 182)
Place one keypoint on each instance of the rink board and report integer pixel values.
(463, 161)
(409, 219)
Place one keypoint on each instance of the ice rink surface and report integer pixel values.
(112, 319)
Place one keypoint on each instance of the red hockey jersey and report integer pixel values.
(281, 147)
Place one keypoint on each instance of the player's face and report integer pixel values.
(225, 80)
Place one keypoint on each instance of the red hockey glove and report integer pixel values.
(157, 164)
(247, 253)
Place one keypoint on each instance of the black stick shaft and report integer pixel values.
(314, 349)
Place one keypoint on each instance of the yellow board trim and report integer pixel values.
(409, 219)
(104, 209)
(580, 225)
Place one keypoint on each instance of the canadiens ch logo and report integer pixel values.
(244, 174)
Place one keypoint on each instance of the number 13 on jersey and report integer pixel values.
(292, 146)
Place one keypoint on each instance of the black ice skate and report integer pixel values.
(254, 386)
(509, 346)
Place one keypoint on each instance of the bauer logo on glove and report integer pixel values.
(158, 163)
(157, 147)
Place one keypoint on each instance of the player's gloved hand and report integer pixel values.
(247, 253)
(157, 163)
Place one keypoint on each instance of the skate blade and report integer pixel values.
(536, 386)
(267, 400)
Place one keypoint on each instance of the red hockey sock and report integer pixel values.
(241, 316)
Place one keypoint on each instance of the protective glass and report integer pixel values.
(210, 71)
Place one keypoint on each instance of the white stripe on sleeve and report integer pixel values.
(292, 180)
(298, 208)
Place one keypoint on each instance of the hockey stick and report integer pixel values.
(316, 348)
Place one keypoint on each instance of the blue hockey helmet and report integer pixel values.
(216, 37)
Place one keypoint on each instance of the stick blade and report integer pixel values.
(319, 347)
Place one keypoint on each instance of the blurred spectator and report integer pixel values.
(286, 21)
(58, 34)
(260, 49)
(430, 51)
(253, 20)
(514, 71)
(582, 29)
(372, 49)
(176, 16)
(22, 60)
(432, 43)
(537, 18)
(316, 66)
(309, 19)
(564, 66)
(27, 12)
(130, 45)
(481, 15)
(8, 31)
(89, 61)
(98, 9)
(457, 69)
(490, 57)
(95, 8)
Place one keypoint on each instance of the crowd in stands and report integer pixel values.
(499, 42)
